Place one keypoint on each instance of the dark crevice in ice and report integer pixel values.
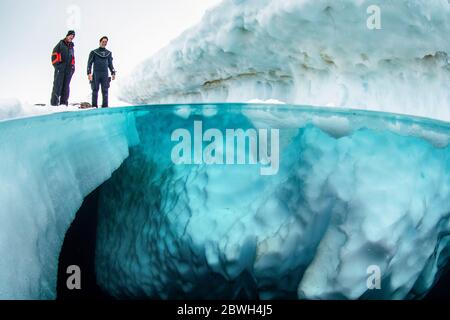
(79, 249)
(441, 291)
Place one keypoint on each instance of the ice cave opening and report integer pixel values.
(79, 249)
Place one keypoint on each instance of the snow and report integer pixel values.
(12, 108)
(48, 165)
(310, 52)
(268, 101)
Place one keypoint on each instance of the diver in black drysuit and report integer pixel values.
(102, 60)
(63, 59)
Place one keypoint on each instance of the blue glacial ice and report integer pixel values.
(48, 165)
(354, 189)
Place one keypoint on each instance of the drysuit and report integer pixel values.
(63, 59)
(102, 61)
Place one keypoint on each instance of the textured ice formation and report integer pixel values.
(313, 52)
(48, 165)
(354, 190)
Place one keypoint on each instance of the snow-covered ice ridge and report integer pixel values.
(313, 52)
(48, 165)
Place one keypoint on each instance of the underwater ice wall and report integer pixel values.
(48, 165)
(354, 190)
(312, 52)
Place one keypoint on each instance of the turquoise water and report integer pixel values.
(303, 210)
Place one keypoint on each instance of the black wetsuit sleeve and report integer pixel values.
(90, 62)
(110, 65)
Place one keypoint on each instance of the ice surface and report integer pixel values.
(313, 52)
(48, 165)
(13, 109)
(354, 189)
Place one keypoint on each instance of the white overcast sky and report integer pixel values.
(29, 29)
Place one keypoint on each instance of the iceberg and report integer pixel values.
(48, 165)
(309, 52)
(354, 190)
(357, 202)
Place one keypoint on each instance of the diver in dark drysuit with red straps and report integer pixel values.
(63, 59)
(102, 60)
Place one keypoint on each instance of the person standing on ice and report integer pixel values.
(102, 60)
(63, 60)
